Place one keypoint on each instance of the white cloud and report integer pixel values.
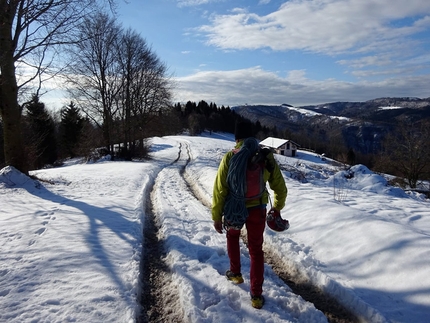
(423, 23)
(326, 26)
(420, 59)
(384, 32)
(371, 73)
(376, 60)
(257, 86)
(297, 76)
(190, 3)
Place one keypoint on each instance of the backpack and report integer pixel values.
(254, 179)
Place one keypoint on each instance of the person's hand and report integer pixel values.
(275, 221)
(218, 226)
(274, 213)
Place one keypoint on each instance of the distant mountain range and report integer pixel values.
(362, 125)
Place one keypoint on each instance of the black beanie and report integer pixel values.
(243, 130)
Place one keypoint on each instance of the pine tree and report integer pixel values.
(71, 127)
(350, 156)
(41, 143)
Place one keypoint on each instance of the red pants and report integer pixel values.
(255, 225)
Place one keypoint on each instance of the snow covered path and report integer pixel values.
(198, 259)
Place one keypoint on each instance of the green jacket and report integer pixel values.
(275, 179)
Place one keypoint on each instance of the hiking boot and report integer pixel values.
(235, 278)
(257, 301)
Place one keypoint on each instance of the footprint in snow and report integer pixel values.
(40, 231)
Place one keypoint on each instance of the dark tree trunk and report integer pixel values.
(14, 150)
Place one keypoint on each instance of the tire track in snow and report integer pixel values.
(332, 309)
(196, 253)
(158, 296)
(157, 303)
(175, 212)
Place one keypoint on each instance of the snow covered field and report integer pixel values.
(71, 245)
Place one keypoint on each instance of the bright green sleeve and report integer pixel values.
(220, 189)
(277, 184)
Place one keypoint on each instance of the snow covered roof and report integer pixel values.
(275, 142)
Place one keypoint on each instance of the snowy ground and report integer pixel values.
(71, 246)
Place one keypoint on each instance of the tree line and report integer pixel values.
(197, 117)
(52, 137)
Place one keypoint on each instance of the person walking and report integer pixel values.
(232, 207)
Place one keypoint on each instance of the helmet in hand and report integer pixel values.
(275, 221)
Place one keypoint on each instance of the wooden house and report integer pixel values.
(281, 146)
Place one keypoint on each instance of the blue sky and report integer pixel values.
(297, 52)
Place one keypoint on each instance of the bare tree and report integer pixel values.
(407, 152)
(30, 33)
(146, 89)
(118, 81)
(94, 74)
